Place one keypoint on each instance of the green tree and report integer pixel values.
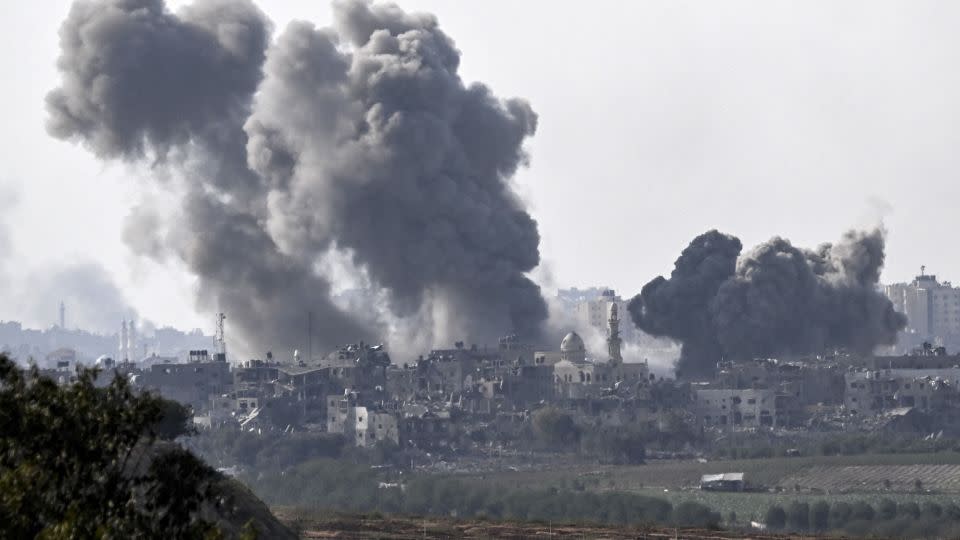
(862, 511)
(798, 516)
(555, 427)
(931, 511)
(776, 517)
(77, 461)
(693, 514)
(840, 515)
(887, 509)
(909, 509)
(952, 511)
(820, 516)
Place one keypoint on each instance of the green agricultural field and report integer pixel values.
(939, 478)
(677, 481)
(676, 475)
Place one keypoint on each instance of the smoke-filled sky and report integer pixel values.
(655, 122)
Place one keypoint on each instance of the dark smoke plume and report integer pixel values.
(360, 138)
(140, 82)
(370, 140)
(777, 299)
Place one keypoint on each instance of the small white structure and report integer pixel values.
(360, 425)
(722, 482)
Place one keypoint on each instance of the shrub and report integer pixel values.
(862, 511)
(887, 509)
(840, 513)
(776, 517)
(798, 516)
(694, 514)
(820, 516)
(909, 509)
(555, 427)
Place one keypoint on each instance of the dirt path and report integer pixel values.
(403, 528)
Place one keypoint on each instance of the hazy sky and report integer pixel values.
(658, 121)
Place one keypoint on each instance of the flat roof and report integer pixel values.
(724, 477)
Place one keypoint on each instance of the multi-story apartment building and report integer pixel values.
(932, 309)
(363, 426)
(745, 408)
(876, 391)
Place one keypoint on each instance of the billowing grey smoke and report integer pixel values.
(679, 307)
(777, 299)
(140, 82)
(361, 138)
(370, 140)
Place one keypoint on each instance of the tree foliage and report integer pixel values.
(555, 427)
(776, 517)
(77, 461)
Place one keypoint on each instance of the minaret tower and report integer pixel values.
(124, 356)
(613, 336)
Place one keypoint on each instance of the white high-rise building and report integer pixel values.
(124, 352)
(596, 313)
(932, 308)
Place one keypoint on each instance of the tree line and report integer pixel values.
(888, 519)
(340, 486)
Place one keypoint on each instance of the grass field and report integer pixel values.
(842, 478)
(686, 474)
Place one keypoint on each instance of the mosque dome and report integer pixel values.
(104, 361)
(572, 343)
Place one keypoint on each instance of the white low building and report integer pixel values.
(361, 425)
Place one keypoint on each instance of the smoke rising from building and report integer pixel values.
(370, 141)
(776, 299)
(360, 138)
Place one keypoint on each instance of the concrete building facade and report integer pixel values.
(932, 309)
(744, 408)
(596, 312)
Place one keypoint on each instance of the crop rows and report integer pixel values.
(941, 478)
